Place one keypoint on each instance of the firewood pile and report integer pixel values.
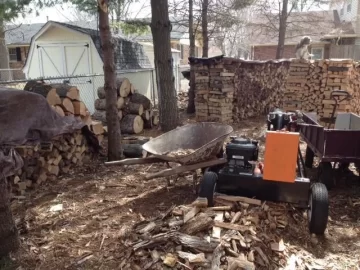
(44, 162)
(214, 90)
(65, 100)
(236, 89)
(135, 110)
(238, 233)
(309, 86)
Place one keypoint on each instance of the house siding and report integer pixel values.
(19, 74)
(348, 16)
(269, 52)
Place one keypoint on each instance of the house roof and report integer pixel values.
(21, 34)
(315, 24)
(128, 55)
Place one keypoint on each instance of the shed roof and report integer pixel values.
(128, 55)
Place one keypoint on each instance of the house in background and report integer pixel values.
(70, 52)
(323, 27)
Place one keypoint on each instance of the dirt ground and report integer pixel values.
(77, 221)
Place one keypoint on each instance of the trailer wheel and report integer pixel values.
(309, 157)
(318, 209)
(325, 174)
(207, 187)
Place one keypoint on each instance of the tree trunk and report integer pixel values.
(191, 93)
(114, 133)
(160, 28)
(8, 233)
(282, 30)
(4, 56)
(204, 25)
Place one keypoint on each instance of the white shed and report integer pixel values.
(74, 53)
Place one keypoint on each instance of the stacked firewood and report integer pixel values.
(134, 109)
(44, 162)
(310, 84)
(65, 100)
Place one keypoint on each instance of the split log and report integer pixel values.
(87, 118)
(67, 105)
(131, 124)
(133, 150)
(79, 108)
(197, 224)
(141, 99)
(123, 87)
(58, 109)
(216, 257)
(132, 108)
(101, 92)
(97, 127)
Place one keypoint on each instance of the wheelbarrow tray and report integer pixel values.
(333, 145)
(206, 139)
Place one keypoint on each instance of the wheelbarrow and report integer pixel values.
(196, 146)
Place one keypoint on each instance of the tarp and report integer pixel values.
(27, 117)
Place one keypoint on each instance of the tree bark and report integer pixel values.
(191, 93)
(282, 30)
(4, 56)
(114, 133)
(8, 233)
(160, 28)
(204, 25)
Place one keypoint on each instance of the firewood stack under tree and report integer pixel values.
(135, 110)
(65, 100)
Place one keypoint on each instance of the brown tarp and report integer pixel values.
(27, 118)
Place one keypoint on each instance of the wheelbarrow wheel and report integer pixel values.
(207, 187)
(325, 174)
(318, 209)
(309, 157)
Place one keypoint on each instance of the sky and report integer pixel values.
(66, 12)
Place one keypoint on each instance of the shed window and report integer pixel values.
(342, 11)
(318, 53)
(348, 7)
(15, 54)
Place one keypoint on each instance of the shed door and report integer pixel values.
(64, 59)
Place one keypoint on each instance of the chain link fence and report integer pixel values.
(143, 80)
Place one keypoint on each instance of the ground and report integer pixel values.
(97, 202)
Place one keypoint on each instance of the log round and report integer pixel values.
(132, 89)
(67, 105)
(140, 99)
(133, 108)
(120, 102)
(101, 92)
(120, 115)
(58, 109)
(100, 104)
(123, 86)
(155, 120)
(65, 90)
(131, 124)
(79, 108)
(145, 115)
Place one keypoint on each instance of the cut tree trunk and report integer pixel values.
(123, 86)
(204, 26)
(141, 99)
(9, 238)
(132, 124)
(114, 133)
(191, 93)
(133, 108)
(160, 28)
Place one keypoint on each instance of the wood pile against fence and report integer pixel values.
(44, 162)
(309, 86)
(65, 100)
(135, 110)
(253, 88)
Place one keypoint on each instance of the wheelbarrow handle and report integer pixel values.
(340, 93)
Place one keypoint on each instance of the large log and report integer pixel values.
(101, 92)
(131, 124)
(123, 86)
(100, 104)
(132, 108)
(140, 99)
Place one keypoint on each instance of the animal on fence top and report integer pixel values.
(302, 48)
